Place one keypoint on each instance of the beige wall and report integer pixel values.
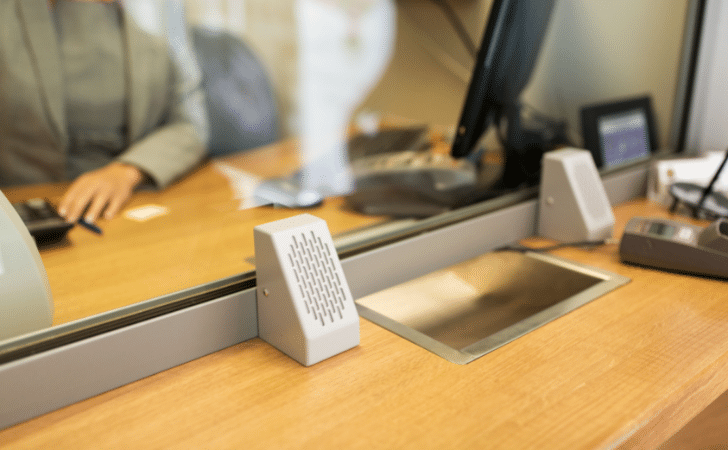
(595, 51)
(600, 51)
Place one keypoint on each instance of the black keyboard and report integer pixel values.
(42, 220)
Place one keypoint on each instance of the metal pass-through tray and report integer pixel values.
(467, 310)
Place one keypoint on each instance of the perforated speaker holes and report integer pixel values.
(318, 279)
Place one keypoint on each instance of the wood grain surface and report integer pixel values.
(627, 370)
(204, 237)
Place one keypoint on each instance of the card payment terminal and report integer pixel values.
(676, 246)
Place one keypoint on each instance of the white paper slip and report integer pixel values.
(146, 212)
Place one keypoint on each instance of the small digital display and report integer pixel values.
(661, 229)
(624, 137)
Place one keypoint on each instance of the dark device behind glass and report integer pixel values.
(43, 221)
(507, 55)
(508, 52)
(619, 132)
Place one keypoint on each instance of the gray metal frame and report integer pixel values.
(46, 381)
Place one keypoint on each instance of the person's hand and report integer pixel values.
(102, 190)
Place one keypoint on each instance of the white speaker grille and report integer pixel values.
(317, 276)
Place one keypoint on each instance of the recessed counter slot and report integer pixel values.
(467, 310)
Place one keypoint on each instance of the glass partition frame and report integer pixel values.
(348, 244)
(353, 246)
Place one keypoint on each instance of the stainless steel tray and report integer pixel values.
(467, 310)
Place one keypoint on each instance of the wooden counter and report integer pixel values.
(204, 237)
(625, 371)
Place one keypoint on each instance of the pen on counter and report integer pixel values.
(90, 226)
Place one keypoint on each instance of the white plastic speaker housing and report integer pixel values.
(305, 307)
(26, 304)
(573, 205)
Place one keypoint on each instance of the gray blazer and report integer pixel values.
(166, 121)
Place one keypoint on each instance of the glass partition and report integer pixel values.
(174, 245)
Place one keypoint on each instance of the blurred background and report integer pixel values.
(594, 52)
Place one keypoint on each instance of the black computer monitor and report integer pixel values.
(507, 55)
